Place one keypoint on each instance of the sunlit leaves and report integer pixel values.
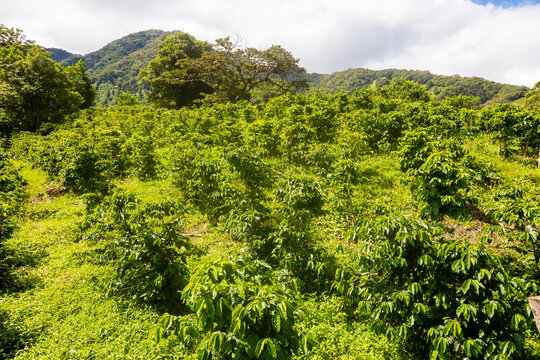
(435, 292)
(240, 311)
(144, 244)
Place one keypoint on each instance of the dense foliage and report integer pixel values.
(11, 199)
(144, 244)
(33, 88)
(377, 224)
(475, 310)
(187, 69)
(164, 74)
(115, 67)
(487, 92)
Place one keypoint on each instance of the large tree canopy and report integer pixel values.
(33, 88)
(162, 72)
(186, 70)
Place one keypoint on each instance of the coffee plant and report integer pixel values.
(240, 310)
(144, 244)
(447, 299)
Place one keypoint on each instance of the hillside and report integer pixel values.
(59, 55)
(114, 68)
(442, 86)
(377, 225)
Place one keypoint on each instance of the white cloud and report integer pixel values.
(443, 36)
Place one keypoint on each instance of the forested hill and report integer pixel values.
(59, 55)
(114, 68)
(442, 86)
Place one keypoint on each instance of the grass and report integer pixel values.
(61, 309)
(511, 169)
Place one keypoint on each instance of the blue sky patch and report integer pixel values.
(507, 3)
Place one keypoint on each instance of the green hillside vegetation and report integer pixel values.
(442, 87)
(115, 67)
(382, 224)
(60, 55)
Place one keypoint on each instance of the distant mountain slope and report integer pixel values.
(60, 55)
(114, 68)
(442, 86)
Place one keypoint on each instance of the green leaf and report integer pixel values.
(282, 310)
(259, 348)
(466, 311)
(440, 344)
(415, 288)
(239, 328)
(471, 282)
(420, 308)
(271, 347)
(472, 348)
(466, 285)
(458, 266)
(276, 323)
(453, 328)
(212, 272)
(517, 319)
(157, 334)
(215, 342)
(507, 347)
(483, 273)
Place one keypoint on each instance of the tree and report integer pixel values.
(162, 72)
(502, 119)
(10, 36)
(33, 88)
(232, 72)
(220, 73)
(81, 83)
(405, 89)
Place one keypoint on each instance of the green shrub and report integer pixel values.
(84, 171)
(241, 309)
(142, 157)
(144, 244)
(442, 186)
(446, 299)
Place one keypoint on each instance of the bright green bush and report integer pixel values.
(241, 309)
(446, 299)
(144, 244)
(442, 186)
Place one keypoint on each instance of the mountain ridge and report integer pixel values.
(114, 69)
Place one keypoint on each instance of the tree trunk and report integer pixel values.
(534, 303)
(539, 158)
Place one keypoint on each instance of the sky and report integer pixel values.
(498, 39)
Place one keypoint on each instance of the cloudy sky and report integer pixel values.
(498, 40)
